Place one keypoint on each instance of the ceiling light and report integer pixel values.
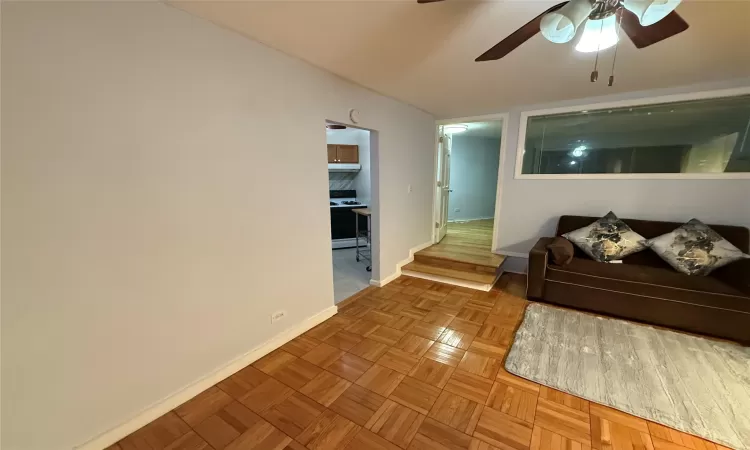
(598, 35)
(578, 151)
(650, 11)
(572, 163)
(455, 128)
(560, 26)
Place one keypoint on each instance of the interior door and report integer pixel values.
(443, 183)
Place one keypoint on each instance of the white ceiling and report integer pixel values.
(424, 54)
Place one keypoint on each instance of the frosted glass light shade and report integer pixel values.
(651, 11)
(598, 35)
(560, 26)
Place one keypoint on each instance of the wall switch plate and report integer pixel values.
(278, 315)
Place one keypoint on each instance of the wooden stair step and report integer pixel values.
(475, 277)
(479, 257)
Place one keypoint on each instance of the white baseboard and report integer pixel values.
(454, 281)
(383, 281)
(470, 220)
(162, 407)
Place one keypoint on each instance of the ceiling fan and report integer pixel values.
(646, 22)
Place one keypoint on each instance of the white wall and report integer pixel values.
(140, 250)
(360, 180)
(530, 208)
(473, 182)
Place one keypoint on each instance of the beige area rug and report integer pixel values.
(696, 385)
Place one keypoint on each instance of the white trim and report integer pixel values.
(454, 281)
(435, 207)
(499, 192)
(719, 93)
(505, 118)
(473, 219)
(635, 176)
(482, 118)
(172, 401)
(383, 281)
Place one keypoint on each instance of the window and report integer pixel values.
(701, 137)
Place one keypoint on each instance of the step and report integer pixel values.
(480, 279)
(443, 254)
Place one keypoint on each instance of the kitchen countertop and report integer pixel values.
(341, 200)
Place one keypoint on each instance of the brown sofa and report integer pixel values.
(645, 288)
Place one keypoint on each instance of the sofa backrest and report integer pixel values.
(738, 236)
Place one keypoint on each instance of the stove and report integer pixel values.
(343, 219)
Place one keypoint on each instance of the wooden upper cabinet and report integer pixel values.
(348, 154)
(343, 154)
(332, 150)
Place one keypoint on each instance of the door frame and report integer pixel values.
(374, 205)
(505, 118)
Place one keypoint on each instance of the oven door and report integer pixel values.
(343, 225)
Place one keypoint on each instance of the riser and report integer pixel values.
(454, 265)
(486, 287)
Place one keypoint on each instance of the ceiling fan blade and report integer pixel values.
(644, 36)
(428, 1)
(518, 37)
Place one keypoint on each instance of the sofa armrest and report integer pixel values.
(736, 274)
(537, 268)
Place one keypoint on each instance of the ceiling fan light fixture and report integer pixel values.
(455, 128)
(598, 35)
(650, 11)
(560, 26)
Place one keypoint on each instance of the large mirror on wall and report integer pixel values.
(705, 136)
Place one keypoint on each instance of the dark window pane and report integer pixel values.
(699, 136)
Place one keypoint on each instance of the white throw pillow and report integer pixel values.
(695, 249)
(607, 239)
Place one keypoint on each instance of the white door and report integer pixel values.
(443, 183)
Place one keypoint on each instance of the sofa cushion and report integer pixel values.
(607, 239)
(650, 282)
(695, 249)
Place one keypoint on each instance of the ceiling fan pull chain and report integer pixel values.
(614, 57)
(595, 73)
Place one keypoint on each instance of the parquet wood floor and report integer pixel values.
(414, 365)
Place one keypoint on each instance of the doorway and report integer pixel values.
(468, 184)
(349, 153)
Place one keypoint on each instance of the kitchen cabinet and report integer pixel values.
(344, 154)
(332, 153)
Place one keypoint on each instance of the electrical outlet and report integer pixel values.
(457, 210)
(408, 189)
(278, 315)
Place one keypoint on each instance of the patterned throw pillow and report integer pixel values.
(607, 239)
(695, 249)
